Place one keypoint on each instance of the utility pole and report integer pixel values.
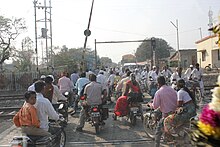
(51, 39)
(45, 21)
(200, 31)
(153, 55)
(95, 56)
(44, 34)
(177, 36)
(35, 23)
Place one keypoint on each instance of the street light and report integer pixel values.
(177, 35)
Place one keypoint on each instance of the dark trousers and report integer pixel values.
(159, 132)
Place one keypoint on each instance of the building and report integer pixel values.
(208, 51)
(187, 57)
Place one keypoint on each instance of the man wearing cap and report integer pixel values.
(154, 73)
(188, 72)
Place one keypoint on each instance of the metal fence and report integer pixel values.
(16, 81)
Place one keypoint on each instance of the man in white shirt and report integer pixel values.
(144, 74)
(101, 79)
(111, 80)
(44, 107)
(32, 88)
(154, 73)
(188, 73)
(197, 75)
(176, 75)
(166, 73)
(121, 86)
(137, 75)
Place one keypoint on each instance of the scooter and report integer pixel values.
(57, 139)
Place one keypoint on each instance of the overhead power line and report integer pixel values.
(124, 41)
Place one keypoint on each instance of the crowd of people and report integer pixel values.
(99, 87)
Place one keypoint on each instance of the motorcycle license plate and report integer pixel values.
(95, 114)
(134, 109)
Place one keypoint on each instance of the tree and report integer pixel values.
(144, 51)
(105, 61)
(9, 30)
(23, 59)
(72, 58)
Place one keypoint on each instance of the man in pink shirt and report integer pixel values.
(165, 100)
(66, 85)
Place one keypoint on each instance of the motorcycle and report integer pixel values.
(180, 133)
(62, 109)
(57, 139)
(134, 111)
(96, 115)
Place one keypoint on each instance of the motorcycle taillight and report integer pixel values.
(82, 98)
(95, 109)
(16, 146)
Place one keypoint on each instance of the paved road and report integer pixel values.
(114, 133)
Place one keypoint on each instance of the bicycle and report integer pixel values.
(209, 68)
(194, 87)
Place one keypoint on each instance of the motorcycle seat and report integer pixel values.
(34, 138)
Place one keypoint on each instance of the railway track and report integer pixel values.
(8, 112)
(10, 105)
(11, 97)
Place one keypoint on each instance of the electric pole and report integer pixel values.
(177, 36)
(44, 30)
(35, 23)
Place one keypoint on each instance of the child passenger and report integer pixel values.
(27, 117)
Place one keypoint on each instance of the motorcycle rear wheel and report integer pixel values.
(148, 127)
(133, 119)
(97, 129)
(114, 116)
(62, 140)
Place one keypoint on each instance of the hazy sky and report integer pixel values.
(118, 20)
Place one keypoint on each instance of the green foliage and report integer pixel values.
(144, 51)
(72, 58)
(9, 30)
(23, 59)
(105, 61)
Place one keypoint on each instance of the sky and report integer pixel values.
(117, 20)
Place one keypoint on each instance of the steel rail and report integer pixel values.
(9, 108)
(11, 98)
(6, 116)
(111, 142)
